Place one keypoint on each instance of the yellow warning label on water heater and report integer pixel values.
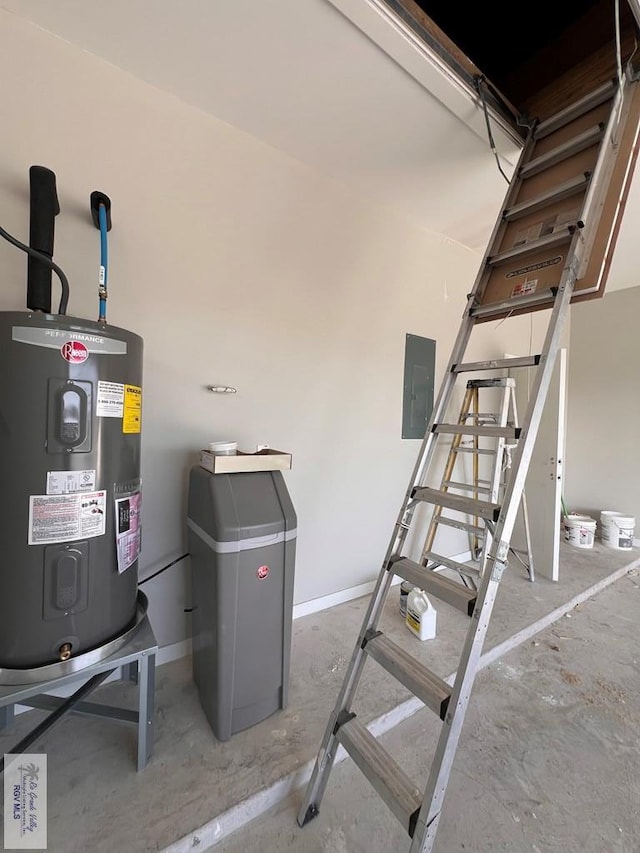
(132, 412)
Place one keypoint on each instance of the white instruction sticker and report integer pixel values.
(65, 482)
(524, 287)
(110, 400)
(65, 518)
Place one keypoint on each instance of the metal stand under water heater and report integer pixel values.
(70, 489)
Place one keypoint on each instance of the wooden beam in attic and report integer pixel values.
(576, 63)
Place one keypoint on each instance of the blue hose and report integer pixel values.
(102, 289)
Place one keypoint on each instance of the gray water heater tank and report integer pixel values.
(70, 429)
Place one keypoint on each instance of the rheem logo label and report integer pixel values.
(74, 352)
(262, 573)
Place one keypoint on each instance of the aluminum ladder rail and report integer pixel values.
(420, 812)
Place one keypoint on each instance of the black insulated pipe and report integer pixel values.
(44, 209)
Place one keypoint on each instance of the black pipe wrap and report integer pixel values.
(44, 208)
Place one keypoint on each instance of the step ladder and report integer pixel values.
(594, 140)
(491, 488)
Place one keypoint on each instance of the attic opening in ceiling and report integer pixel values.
(525, 52)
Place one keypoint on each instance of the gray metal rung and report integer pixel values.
(471, 429)
(481, 451)
(460, 525)
(482, 416)
(497, 363)
(549, 241)
(426, 685)
(469, 571)
(562, 191)
(468, 487)
(491, 309)
(496, 382)
(481, 509)
(450, 591)
(573, 111)
(387, 777)
(578, 143)
(439, 560)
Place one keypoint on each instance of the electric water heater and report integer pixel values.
(70, 489)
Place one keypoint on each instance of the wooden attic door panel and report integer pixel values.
(592, 284)
(543, 269)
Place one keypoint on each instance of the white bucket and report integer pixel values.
(617, 530)
(605, 515)
(579, 530)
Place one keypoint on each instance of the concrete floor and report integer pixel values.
(196, 789)
(549, 759)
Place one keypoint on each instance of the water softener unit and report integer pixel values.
(70, 490)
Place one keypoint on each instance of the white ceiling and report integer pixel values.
(340, 85)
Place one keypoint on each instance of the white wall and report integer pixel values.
(603, 461)
(238, 266)
(361, 102)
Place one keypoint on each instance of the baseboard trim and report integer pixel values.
(174, 651)
(324, 602)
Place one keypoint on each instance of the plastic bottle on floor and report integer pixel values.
(421, 615)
